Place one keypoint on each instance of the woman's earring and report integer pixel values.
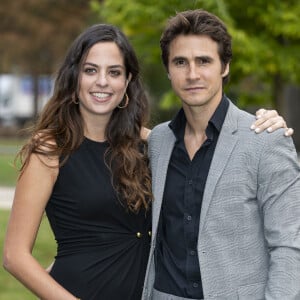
(126, 102)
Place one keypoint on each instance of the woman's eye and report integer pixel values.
(115, 73)
(89, 70)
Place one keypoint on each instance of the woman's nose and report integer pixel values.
(102, 79)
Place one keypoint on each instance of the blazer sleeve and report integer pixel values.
(279, 199)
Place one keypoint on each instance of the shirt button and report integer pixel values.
(138, 235)
(149, 233)
(189, 218)
(190, 182)
(195, 284)
(192, 252)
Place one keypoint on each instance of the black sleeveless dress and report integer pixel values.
(102, 247)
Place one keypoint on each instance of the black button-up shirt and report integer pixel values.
(176, 258)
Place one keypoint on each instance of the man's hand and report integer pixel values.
(270, 120)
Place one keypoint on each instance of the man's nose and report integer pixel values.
(193, 72)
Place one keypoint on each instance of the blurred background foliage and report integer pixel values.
(265, 71)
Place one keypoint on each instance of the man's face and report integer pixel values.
(195, 70)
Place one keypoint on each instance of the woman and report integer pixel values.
(86, 165)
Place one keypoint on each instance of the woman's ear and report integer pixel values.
(128, 79)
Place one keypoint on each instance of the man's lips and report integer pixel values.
(194, 88)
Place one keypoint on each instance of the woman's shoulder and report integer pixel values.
(145, 133)
(43, 146)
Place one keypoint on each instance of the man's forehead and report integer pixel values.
(193, 46)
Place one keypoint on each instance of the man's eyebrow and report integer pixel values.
(178, 58)
(206, 57)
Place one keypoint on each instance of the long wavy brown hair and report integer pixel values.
(60, 130)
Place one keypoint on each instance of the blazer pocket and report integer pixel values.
(254, 291)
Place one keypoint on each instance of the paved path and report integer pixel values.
(6, 197)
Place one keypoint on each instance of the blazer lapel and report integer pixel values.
(160, 177)
(225, 145)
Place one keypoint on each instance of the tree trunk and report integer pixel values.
(292, 96)
(35, 81)
(278, 95)
(287, 102)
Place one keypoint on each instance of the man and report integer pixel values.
(226, 210)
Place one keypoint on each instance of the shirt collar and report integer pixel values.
(178, 123)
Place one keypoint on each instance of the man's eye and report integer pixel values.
(180, 62)
(203, 61)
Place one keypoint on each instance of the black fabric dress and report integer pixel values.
(102, 247)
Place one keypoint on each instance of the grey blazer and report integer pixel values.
(249, 235)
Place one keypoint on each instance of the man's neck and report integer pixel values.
(194, 133)
(197, 118)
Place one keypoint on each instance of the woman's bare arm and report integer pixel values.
(33, 190)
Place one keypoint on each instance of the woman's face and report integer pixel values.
(102, 81)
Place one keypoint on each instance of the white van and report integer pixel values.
(17, 99)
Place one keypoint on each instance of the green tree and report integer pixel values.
(35, 34)
(143, 22)
(266, 43)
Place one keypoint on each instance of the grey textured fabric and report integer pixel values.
(249, 235)
(157, 295)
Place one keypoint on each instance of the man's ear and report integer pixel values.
(226, 70)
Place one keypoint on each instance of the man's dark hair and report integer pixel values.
(197, 22)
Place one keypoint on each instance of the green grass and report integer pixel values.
(44, 251)
(8, 173)
(45, 247)
(8, 150)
